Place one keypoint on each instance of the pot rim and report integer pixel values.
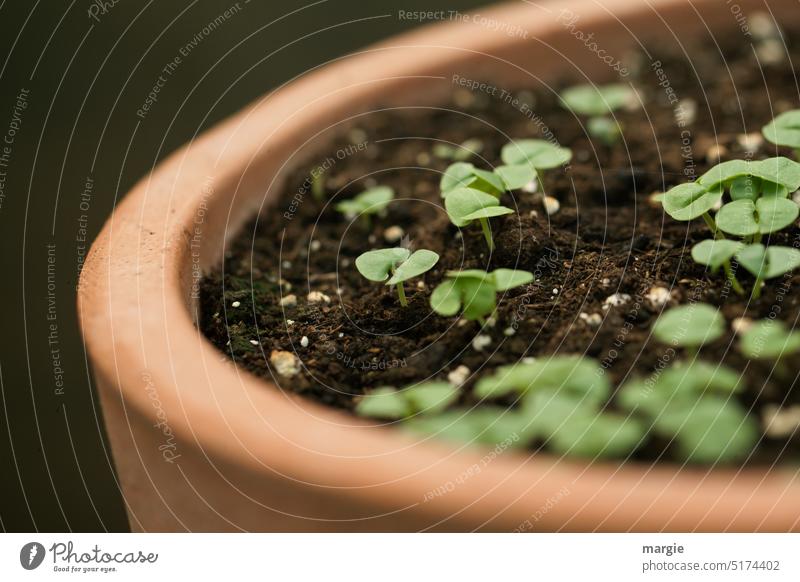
(139, 330)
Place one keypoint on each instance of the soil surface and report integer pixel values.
(608, 237)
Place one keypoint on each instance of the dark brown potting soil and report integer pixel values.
(608, 237)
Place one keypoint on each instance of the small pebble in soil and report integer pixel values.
(254, 342)
(509, 331)
(591, 319)
(551, 205)
(531, 187)
(315, 245)
(286, 364)
(289, 301)
(421, 285)
(555, 291)
(423, 159)
(357, 135)
(304, 341)
(393, 234)
(616, 300)
(345, 263)
(741, 324)
(780, 422)
(750, 142)
(796, 197)
(658, 297)
(458, 376)
(287, 264)
(480, 341)
(687, 111)
(762, 25)
(605, 282)
(771, 52)
(318, 297)
(236, 304)
(289, 322)
(715, 153)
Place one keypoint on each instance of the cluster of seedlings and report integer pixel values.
(566, 403)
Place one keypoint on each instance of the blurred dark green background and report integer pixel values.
(83, 68)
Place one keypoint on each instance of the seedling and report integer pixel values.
(572, 375)
(318, 184)
(460, 153)
(560, 404)
(426, 398)
(759, 205)
(525, 159)
(464, 174)
(372, 201)
(599, 103)
(466, 205)
(718, 253)
(691, 403)
(397, 265)
(769, 339)
(690, 326)
(784, 130)
(767, 262)
(473, 292)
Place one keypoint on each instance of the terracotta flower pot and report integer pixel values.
(200, 445)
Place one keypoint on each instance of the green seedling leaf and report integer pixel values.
(604, 436)
(516, 176)
(419, 262)
(505, 279)
(605, 129)
(769, 339)
(698, 377)
(724, 173)
(431, 397)
(689, 201)
(458, 175)
(463, 205)
(714, 430)
(571, 375)
(768, 262)
(485, 425)
(488, 182)
(765, 215)
(771, 189)
(536, 153)
(784, 130)
(446, 298)
(476, 290)
(714, 252)
(596, 100)
(745, 187)
(690, 325)
(778, 170)
(378, 265)
(384, 402)
(549, 409)
(426, 398)
(372, 201)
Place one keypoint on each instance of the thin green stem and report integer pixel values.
(318, 186)
(366, 221)
(797, 154)
(757, 238)
(732, 278)
(756, 288)
(401, 293)
(712, 225)
(482, 321)
(487, 232)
